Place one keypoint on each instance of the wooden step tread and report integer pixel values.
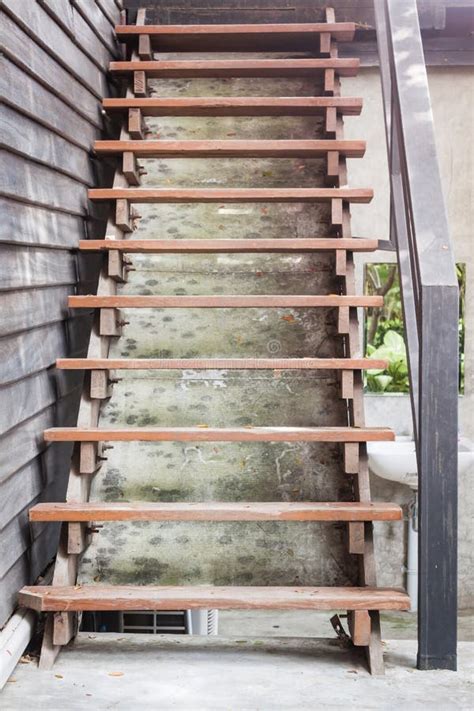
(234, 38)
(168, 597)
(199, 246)
(203, 433)
(220, 363)
(223, 302)
(200, 68)
(236, 105)
(232, 149)
(231, 195)
(216, 511)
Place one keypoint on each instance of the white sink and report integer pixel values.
(396, 460)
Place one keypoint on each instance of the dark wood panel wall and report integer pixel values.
(53, 75)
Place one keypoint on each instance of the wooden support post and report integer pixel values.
(359, 627)
(332, 167)
(139, 84)
(145, 51)
(130, 168)
(356, 543)
(343, 320)
(324, 44)
(347, 384)
(341, 262)
(79, 538)
(336, 213)
(100, 384)
(123, 218)
(111, 322)
(88, 452)
(331, 119)
(329, 79)
(136, 124)
(351, 457)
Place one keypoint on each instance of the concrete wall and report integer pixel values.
(227, 553)
(452, 95)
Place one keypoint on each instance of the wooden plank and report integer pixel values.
(29, 396)
(140, 597)
(72, 22)
(26, 137)
(231, 195)
(359, 627)
(23, 443)
(230, 148)
(223, 302)
(43, 107)
(98, 23)
(42, 28)
(110, 11)
(26, 267)
(236, 105)
(32, 225)
(31, 351)
(37, 185)
(238, 38)
(219, 363)
(212, 434)
(200, 246)
(35, 61)
(25, 309)
(216, 511)
(187, 69)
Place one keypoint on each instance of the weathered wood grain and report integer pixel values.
(42, 106)
(232, 195)
(26, 267)
(268, 37)
(220, 363)
(231, 148)
(31, 351)
(211, 434)
(72, 22)
(187, 69)
(25, 136)
(42, 28)
(27, 397)
(198, 246)
(31, 225)
(223, 302)
(152, 597)
(216, 511)
(38, 185)
(26, 309)
(98, 23)
(235, 105)
(33, 60)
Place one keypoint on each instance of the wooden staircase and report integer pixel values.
(64, 599)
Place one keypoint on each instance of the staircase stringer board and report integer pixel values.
(61, 627)
(360, 534)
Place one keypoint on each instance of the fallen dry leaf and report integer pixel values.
(115, 673)
(59, 676)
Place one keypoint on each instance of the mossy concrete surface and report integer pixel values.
(227, 553)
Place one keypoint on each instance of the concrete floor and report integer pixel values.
(239, 672)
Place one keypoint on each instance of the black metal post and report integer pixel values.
(430, 300)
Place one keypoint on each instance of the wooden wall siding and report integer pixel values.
(53, 75)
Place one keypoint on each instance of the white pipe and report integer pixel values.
(14, 639)
(412, 555)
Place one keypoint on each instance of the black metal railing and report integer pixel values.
(420, 235)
